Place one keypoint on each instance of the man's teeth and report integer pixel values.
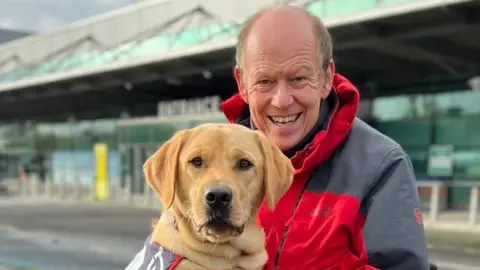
(284, 120)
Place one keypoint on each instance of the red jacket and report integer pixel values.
(319, 223)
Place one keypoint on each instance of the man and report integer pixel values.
(354, 202)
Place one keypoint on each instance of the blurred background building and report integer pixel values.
(134, 76)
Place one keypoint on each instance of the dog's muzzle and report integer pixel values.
(218, 201)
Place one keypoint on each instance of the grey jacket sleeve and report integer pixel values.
(151, 257)
(393, 233)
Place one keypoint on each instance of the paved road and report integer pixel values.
(73, 237)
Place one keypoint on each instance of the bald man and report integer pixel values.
(354, 201)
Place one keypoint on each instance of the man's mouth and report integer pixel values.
(284, 120)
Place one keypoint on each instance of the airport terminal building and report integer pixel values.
(132, 77)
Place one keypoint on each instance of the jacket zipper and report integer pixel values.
(285, 231)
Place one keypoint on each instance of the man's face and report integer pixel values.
(283, 81)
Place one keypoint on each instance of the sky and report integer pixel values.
(45, 15)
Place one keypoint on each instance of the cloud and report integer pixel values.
(45, 15)
(9, 23)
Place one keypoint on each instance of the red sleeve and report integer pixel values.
(175, 263)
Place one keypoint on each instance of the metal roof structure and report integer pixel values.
(387, 48)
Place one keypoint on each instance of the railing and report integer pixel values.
(465, 219)
(77, 190)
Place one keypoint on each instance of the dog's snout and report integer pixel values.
(218, 196)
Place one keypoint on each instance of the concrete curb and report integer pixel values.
(453, 248)
(453, 241)
(453, 226)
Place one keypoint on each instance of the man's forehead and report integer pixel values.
(286, 16)
(280, 33)
(280, 54)
(282, 11)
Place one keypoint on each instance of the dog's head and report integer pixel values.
(216, 176)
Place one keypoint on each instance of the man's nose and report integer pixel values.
(282, 96)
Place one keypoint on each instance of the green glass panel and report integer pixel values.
(163, 132)
(45, 138)
(222, 31)
(139, 134)
(105, 131)
(418, 157)
(392, 2)
(63, 136)
(16, 136)
(96, 59)
(153, 45)
(82, 135)
(459, 131)
(336, 8)
(407, 132)
(317, 8)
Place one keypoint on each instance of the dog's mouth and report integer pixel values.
(219, 227)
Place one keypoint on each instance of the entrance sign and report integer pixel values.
(189, 107)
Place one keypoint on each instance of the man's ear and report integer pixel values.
(329, 73)
(161, 169)
(278, 171)
(237, 73)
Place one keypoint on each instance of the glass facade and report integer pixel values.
(31, 145)
(154, 131)
(415, 121)
(418, 121)
(44, 137)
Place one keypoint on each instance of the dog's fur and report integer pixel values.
(183, 227)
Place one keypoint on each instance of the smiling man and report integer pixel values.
(354, 201)
(282, 77)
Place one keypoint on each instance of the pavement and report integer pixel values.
(71, 237)
(53, 236)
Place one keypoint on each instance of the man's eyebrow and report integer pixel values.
(264, 72)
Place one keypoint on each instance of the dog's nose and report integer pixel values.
(218, 196)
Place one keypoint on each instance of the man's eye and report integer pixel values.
(197, 162)
(299, 79)
(264, 82)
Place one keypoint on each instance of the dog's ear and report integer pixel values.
(278, 171)
(161, 169)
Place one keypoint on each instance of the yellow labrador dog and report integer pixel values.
(211, 181)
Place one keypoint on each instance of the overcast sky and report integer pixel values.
(44, 15)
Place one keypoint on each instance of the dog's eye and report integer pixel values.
(197, 162)
(244, 164)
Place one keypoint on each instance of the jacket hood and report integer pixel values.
(330, 139)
